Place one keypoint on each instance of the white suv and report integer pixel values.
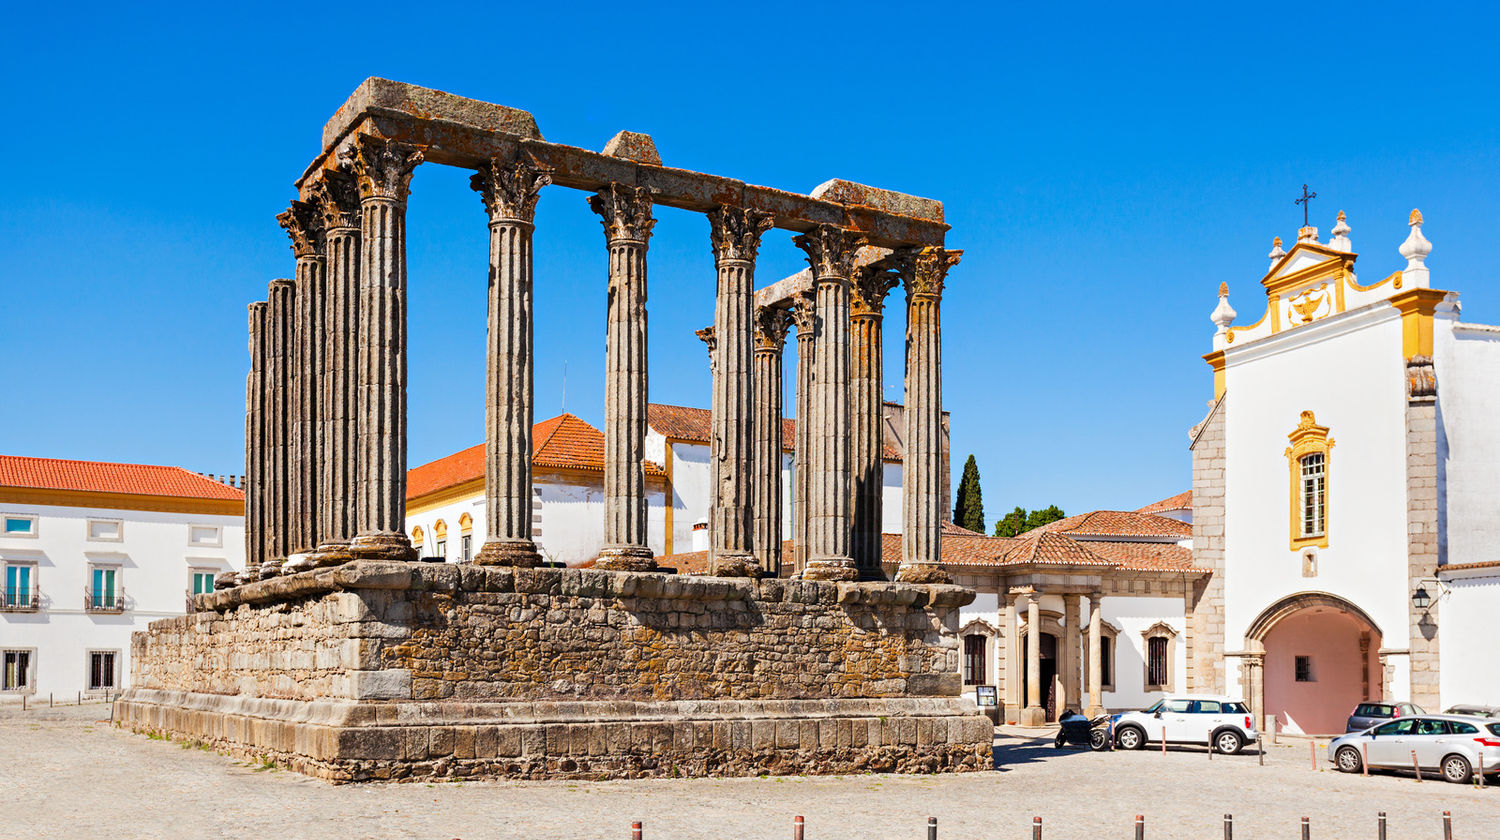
(1188, 719)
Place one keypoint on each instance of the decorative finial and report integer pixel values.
(1223, 314)
(1307, 234)
(1223, 290)
(1276, 252)
(1415, 218)
(1415, 249)
(1340, 240)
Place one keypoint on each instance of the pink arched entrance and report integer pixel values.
(1322, 657)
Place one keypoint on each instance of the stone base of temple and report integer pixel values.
(735, 565)
(922, 573)
(378, 670)
(347, 741)
(333, 553)
(521, 553)
(830, 568)
(395, 547)
(626, 558)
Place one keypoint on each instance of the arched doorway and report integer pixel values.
(1321, 658)
(1050, 673)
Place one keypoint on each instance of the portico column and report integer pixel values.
(304, 225)
(625, 212)
(337, 196)
(1013, 699)
(255, 442)
(384, 169)
(867, 313)
(1096, 657)
(1033, 714)
(830, 252)
(509, 190)
(924, 270)
(1071, 639)
(281, 298)
(735, 233)
(771, 324)
(804, 311)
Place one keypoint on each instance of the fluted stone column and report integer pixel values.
(735, 233)
(804, 315)
(1096, 660)
(336, 194)
(281, 299)
(304, 225)
(625, 212)
(510, 190)
(771, 324)
(923, 270)
(384, 169)
(866, 314)
(255, 442)
(1033, 714)
(1013, 664)
(830, 252)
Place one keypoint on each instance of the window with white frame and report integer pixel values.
(105, 592)
(103, 674)
(466, 548)
(17, 525)
(19, 672)
(20, 586)
(106, 530)
(201, 581)
(1313, 489)
(210, 535)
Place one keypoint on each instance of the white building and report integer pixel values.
(94, 551)
(1346, 491)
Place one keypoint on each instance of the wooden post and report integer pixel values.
(1364, 759)
(1140, 827)
(1036, 828)
(797, 828)
(1417, 768)
(1306, 829)
(635, 831)
(1312, 753)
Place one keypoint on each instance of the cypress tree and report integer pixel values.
(968, 507)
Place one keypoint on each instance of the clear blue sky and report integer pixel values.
(1103, 168)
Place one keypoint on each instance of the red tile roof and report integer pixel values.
(1146, 556)
(1049, 549)
(1459, 567)
(1118, 523)
(103, 477)
(563, 442)
(1181, 501)
(680, 422)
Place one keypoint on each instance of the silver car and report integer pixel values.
(1454, 745)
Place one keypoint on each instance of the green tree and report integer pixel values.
(1011, 523)
(968, 508)
(1038, 518)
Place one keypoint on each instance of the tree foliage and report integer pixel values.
(1038, 518)
(968, 503)
(1019, 521)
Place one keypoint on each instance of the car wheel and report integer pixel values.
(1456, 769)
(1131, 738)
(1347, 759)
(1098, 740)
(1228, 742)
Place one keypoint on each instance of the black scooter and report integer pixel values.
(1074, 728)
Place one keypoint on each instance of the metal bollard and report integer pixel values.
(1447, 825)
(635, 831)
(1228, 827)
(1481, 768)
(1306, 829)
(1210, 747)
(1312, 753)
(49, 699)
(1140, 827)
(1164, 741)
(796, 828)
(1381, 824)
(1261, 753)
(932, 828)
(1036, 828)
(1415, 766)
(1364, 759)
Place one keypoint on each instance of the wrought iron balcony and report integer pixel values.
(104, 602)
(21, 599)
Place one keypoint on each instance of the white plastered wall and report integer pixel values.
(1469, 663)
(1467, 363)
(1132, 615)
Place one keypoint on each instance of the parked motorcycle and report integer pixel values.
(1074, 728)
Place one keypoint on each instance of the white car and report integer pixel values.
(1188, 719)
(1457, 746)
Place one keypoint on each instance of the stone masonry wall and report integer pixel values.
(1205, 638)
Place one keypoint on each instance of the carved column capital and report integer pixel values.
(736, 232)
(870, 285)
(510, 189)
(625, 212)
(706, 335)
(336, 195)
(303, 224)
(771, 325)
(804, 312)
(924, 269)
(830, 251)
(384, 167)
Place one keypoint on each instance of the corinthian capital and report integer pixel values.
(708, 337)
(871, 284)
(804, 312)
(384, 167)
(624, 211)
(830, 251)
(924, 268)
(771, 325)
(736, 232)
(304, 225)
(510, 189)
(336, 196)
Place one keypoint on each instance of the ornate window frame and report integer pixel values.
(416, 538)
(980, 627)
(1159, 630)
(1308, 439)
(440, 539)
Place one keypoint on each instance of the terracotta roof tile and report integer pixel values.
(1118, 523)
(695, 424)
(1145, 556)
(104, 477)
(1459, 567)
(563, 442)
(1181, 501)
(1049, 549)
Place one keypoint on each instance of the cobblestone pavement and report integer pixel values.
(68, 774)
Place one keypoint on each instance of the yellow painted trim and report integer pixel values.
(668, 506)
(440, 530)
(416, 537)
(1308, 438)
(465, 523)
(1417, 307)
(1396, 278)
(121, 501)
(447, 495)
(1216, 361)
(1278, 284)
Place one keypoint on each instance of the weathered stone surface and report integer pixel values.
(890, 201)
(383, 96)
(633, 146)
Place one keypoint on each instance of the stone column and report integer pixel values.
(804, 311)
(384, 169)
(1096, 654)
(1071, 641)
(281, 298)
(866, 314)
(625, 212)
(1013, 699)
(255, 442)
(771, 324)
(1033, 714)
(337, 197)
(830, 252)
(304, 225)
(923, 270)
(735, 233)
(510, 191)
(1423, 489)
(1253, 687)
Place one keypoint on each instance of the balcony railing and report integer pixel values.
(21, 599)
(104, 602)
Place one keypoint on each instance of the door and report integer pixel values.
(1430, 740)
(1390, 747)
(17, 586)
(1177, 721)
(103, 595)
(1206, 716)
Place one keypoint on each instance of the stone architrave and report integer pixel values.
(304, 226)
(625, 212)
(735, 233)
(804, 312)
(281, 299)
(255, 442)
(870, 285)
(830, 251)
(336, 195)
(771, 325)
(384, 169)
(510, 190)
(923, 270)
